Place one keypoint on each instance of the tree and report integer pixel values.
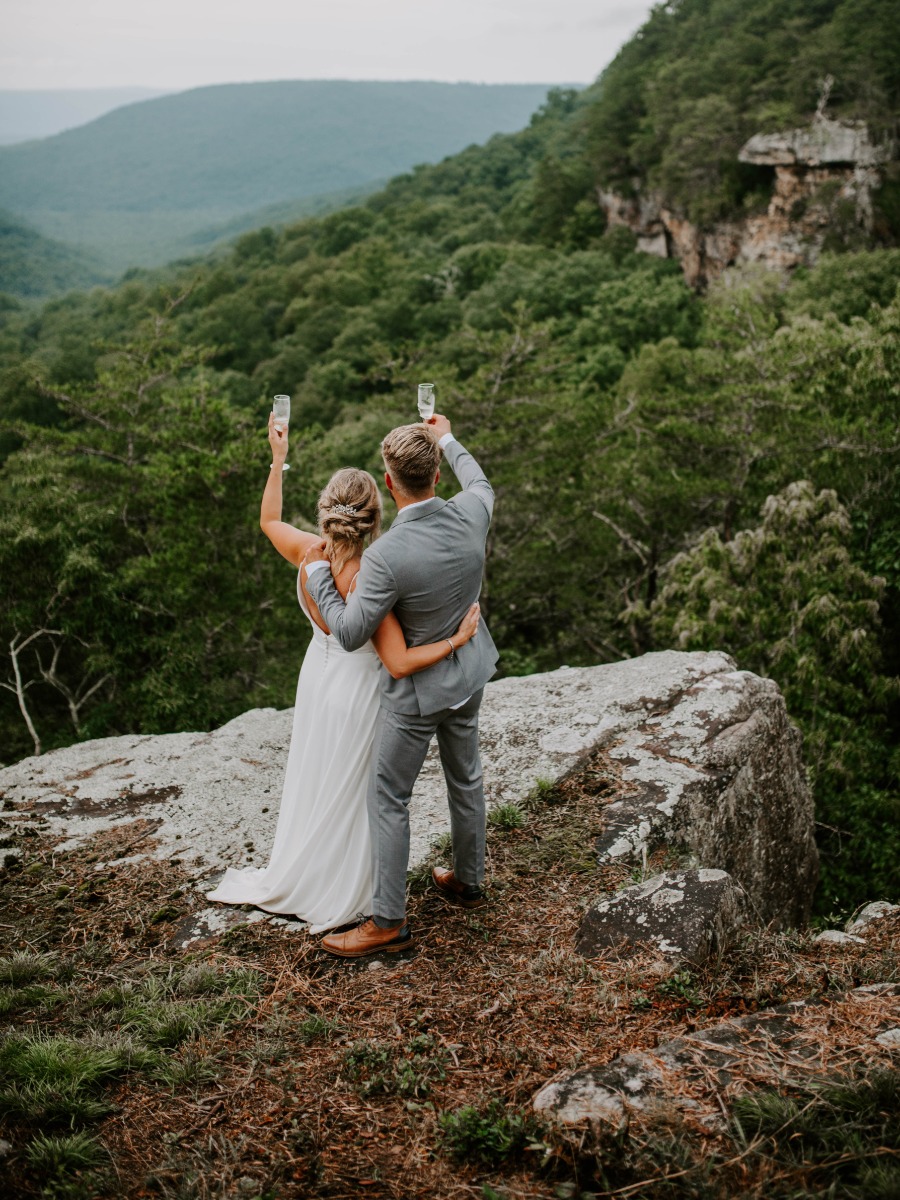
(788, 601)
(139, 592)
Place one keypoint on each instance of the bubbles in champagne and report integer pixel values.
(426, 401)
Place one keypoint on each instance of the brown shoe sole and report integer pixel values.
(384, 948)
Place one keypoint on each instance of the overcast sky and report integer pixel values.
(186, 43)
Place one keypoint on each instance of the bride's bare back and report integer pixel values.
(343, 582)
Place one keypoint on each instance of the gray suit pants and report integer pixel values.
(401, 743)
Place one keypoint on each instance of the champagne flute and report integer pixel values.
(281, 409)
(426, 401)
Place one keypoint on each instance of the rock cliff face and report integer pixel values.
(706, 759)
(824, 172)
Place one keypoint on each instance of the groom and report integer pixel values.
(428, 569)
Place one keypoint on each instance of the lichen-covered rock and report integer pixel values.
(871, 912)
(694, 1072)
(718, 771)
(685, 915)
(708, 756)
(600, 1097)
(836, 937)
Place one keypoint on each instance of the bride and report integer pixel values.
(319, 868)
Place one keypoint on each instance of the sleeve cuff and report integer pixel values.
(446, 440)
(314, 566)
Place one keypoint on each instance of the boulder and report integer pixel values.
(717, 770)
(708, 759)
(836, 937)
(871, 912)
(693, 1073)
(683, 915)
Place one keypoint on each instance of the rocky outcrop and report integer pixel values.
(682, 915)
(822, 172)
(718, 772)
(707, 757)
(693, 1073)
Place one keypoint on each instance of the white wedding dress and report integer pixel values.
(320, 868)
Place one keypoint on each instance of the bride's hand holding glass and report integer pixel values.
(278, 440)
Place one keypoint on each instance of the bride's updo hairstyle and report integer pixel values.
(349, 514)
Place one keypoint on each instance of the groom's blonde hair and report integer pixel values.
(411, 457)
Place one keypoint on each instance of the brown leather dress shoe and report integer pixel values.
(467, 894)
(368, 938)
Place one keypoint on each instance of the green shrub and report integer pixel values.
(377, 1069)
(488, 1135)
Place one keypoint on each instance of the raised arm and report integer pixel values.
(402, 660)
(290, 542)
(463, 465)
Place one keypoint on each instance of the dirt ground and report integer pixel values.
(261, 1067)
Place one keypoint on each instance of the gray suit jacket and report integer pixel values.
(428, 569)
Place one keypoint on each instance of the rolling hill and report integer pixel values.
(33, 266)
(138, 184)
(25, 115)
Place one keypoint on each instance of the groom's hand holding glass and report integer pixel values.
(439, 425)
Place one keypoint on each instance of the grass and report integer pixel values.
(188, 1070)
(62, 1161)
(30, 996)
(59, 1080)
(25, 967)
(167, 1009)
(543, 792)
(506, 817)
(848, 1132)
(318, 1028)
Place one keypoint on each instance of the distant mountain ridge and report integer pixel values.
(136, 184)
(41, 113)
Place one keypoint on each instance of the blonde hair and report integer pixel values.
(349, 513)
(411, 457)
